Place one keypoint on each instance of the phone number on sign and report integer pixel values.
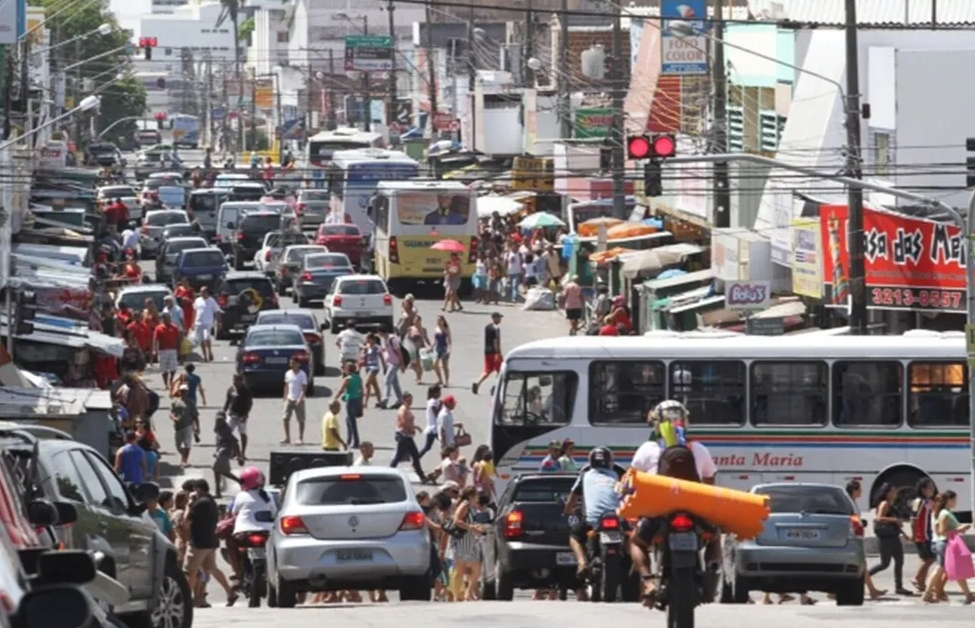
(913, 297)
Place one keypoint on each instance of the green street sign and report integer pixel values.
(368, 53)
(368, 41)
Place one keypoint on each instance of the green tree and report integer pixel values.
(120, 97)
(245, 29)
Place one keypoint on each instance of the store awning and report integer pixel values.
(682, 308)
(689, 278)
(68, 332)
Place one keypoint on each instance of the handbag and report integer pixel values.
(958, 559)
(886, 530)
(462, 438)
(225, 528)
(426, 359)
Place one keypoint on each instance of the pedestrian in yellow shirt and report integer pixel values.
(331, 438)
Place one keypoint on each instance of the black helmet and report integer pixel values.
(600, 458)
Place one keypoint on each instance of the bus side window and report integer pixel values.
(938, 394)
(867, 393)
(714, 392)
(789, 393)
(380, 216)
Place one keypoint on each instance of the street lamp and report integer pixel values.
(103, 30)
(87, 103)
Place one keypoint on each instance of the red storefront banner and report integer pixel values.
(911, 263)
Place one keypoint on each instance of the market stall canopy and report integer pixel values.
(656, 260)
(540, 220)
(629, 230)
(591, 227)
(503, 205)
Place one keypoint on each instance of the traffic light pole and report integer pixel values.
(616, 84)
(11, 324)
(722, 191)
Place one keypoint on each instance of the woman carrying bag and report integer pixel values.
(888, 529)
(954, 559)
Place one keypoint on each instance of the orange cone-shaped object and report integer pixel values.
(735, 512)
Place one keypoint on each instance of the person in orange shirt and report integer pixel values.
(165, 344)
(185, 297)
(131, 271)
(124, 316)
(150, 313)
(143, 334)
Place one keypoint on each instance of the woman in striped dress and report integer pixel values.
(465, 546)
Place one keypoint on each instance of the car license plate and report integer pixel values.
(205, 277)
(353, 556)
(683, 542)
(249, 318)
(801, 534)
(255, 553)
(609, 537)
(276, 360)
(565, 558)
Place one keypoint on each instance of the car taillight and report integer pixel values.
(256, 540)
(472, 253)
(681, 523)
(306, 276)
(513, 524)
(222, 300)
(856, 526)
(313, 338)
(292, 525)
(387, 299)
(321, 240)
(301, 356)
(393, 250)
(251, 358)
(609, 523)
(240, 236)
(267, 256)
(337, 301)
(413, 521)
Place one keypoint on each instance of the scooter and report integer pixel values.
(253, 580)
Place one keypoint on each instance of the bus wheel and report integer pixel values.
(905, 480)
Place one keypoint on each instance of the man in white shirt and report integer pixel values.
(445, 421)
(130, 240)
(207, 314)
(648, 456)
(350, 343)
(295, 389)
(175, 313)
(513, 260)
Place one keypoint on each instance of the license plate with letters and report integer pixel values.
(683, 542)
(353, 556)
(205, 277)
(565, 558)
(255, 553)
(276, 360)
(607, 538)
(801, 534)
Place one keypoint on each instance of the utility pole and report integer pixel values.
(233, 8)
(253, 141)
(225, 99)
(565, 86)
(366, 102)
(207, 99)
(527, 72)
(76, 94)
(279, 114)
(471, 81)
(721, 192)
(616, 84)
(331, 93)
(392, 95)
(854, 233)
(431, 75)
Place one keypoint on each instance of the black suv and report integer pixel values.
(111, 525)
(250, 232)
(241, 295)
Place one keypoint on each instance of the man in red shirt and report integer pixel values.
(165, 344)
(609, 330)
(143, 335)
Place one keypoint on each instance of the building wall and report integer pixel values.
(269, 41)
(193, 27)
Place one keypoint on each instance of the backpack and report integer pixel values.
(677, 461)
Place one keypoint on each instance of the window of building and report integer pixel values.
(938, 394)
(867, 394)
(790, 393)
(881, 153)
(624, 392)
(282, 37)
(714, 392)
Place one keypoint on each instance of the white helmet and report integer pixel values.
(668, 411)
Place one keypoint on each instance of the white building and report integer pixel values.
(191, 26)
(268, 45)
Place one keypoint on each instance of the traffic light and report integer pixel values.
(161, 83)
(26, 310)
(657, 146)
(653, 185)
(147, 44)
(605, 159)
(160, 117)
(970, 163)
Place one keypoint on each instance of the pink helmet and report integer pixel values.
(251, 478)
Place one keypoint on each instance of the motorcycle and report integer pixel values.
(253, 580)
(605, 557)
(681, 571)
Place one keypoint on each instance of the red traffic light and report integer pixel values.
(664, 146)
(160, 115)
(638, 147)
(147, 42)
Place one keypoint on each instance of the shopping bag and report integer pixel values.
(426, 359)
(185, 347)
(958, 560)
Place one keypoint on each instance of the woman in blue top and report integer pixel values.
(375, 364)
(442, 344)
(351, 393)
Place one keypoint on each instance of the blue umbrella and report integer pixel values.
(671, 273)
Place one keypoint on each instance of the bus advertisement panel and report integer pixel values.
(443, 209)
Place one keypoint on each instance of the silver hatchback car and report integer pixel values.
(812, 541)
(340, 528)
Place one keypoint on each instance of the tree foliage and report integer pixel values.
(245, 29)
(122, 98)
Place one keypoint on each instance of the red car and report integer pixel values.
(345, 238)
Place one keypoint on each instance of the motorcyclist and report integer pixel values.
(646, 459)
(596, 486)
(253, 509)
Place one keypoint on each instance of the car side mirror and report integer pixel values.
(42, 513)
(67, 513)
(147, 491)
(53, 607)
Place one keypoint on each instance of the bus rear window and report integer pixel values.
(938, 394)
(538, 398)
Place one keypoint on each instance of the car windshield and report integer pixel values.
(248, 193)
(313, 195)
(296, 255)
(184, 245)
(340, 230)
(350, 490)
(362, 286)
(101, 149)
(205, 202)
(157, 219)
(329, 260)
(262, 286)
(175, 231)
(136, 300)
(553, 489)
(115, 192)
(277, 208)
(259, 223)
(814, 500)
(303, 321)
(273, 338)
(199, 259)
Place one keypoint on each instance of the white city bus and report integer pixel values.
(321, 147)
(353, 175)
(810, 407)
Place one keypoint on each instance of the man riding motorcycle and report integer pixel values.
(596, 486)
(646, 459)
(251, 500)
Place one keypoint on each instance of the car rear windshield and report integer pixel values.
(185, 245)
(340, 230)
(289, 238)
(260, 223)
(274, 338)
(247, 193)
(332, 260)
(115, 192)
(313, 195)
(352, 491)
(262, 286)
(814, 500)
(296, 255)
(301, 320)
(137, 300)
(178, 231)
(547, 490)
(157, 219)
(203, 258)
(206, 202)
(362, 286)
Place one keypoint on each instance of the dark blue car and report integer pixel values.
(201, 267)
(317, 273)
(264, 356)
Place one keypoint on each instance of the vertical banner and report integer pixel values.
(807, 258)
(684, 54)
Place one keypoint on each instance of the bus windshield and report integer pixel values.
(320, 152)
